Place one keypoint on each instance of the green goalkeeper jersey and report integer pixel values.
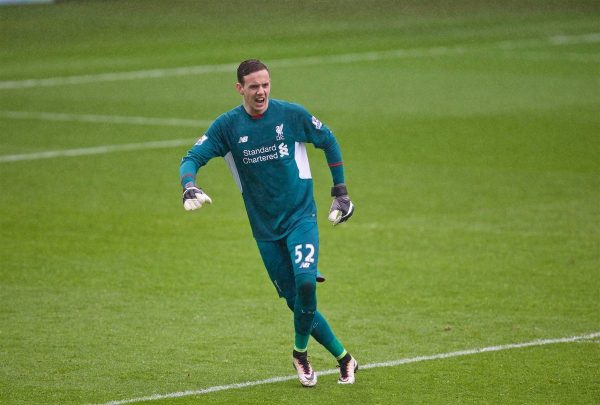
(268, 159)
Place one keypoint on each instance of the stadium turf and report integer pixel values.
(470, 133)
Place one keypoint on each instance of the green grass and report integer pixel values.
(475, 173)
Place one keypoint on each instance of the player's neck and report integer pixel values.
(254, 114)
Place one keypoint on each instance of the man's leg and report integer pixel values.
(303, 244)
(299, 291)
(305, 307)
(276, 258)
(322, 332)
(279, 264)
(303, 247)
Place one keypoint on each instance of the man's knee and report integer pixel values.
(305, 292)
(306, 288)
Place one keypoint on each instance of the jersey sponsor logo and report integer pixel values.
(318, 124)
(260, 151)
(201, 140)
(265, 153)
(279, 132)
(262, 154)
(283, 150)
(243, 139)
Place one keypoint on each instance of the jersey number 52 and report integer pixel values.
(305, 255)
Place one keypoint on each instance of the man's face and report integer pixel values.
(255, 91)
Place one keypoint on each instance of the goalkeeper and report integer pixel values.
(264, 143)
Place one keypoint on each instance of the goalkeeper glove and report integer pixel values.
(194, 197)
(342, 208)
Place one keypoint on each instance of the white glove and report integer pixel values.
(341, 208)
(194, 197)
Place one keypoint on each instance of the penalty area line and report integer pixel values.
(394, 363)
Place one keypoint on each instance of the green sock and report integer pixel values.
(341, 356)
(305, 307)
(301, 343)
(323, 334)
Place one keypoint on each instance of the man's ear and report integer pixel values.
(239, 88)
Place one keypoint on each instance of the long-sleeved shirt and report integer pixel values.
(268, 159)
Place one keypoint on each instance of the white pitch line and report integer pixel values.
(228, 67)
(96, 150)
(104, 119)
(116, 76)
(292, 62)
(575, 39)
(569, 56)
(539, 342)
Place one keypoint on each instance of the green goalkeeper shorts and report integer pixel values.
(295, 254)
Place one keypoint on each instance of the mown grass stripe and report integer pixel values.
(293, 62)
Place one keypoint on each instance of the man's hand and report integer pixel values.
(194, 197)
(342, 208)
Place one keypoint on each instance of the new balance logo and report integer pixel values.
(243, 139)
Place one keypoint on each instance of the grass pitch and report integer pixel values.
(471, 137)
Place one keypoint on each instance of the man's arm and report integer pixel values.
(322, 137)
(205, 149)
(342, 207)
(333, 154)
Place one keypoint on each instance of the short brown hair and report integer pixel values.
(249, 66)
